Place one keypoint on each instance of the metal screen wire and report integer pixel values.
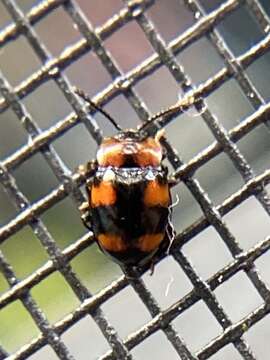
(184, 311)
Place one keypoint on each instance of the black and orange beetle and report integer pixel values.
(129, 200)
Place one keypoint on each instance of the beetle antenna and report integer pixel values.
(184, 103)
(172, 109)
(87, 99)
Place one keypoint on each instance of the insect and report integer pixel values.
(129, 200)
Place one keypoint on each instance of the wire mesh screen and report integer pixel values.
(60, 297)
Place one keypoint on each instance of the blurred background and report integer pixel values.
(188, 134)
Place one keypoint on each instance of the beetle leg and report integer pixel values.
(89, 169)
(152, 267)
(172, 181)
(165, 169)
(88, 186)
(86, 215)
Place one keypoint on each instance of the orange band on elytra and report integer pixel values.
(112, 242)
(103, 194)
(149, 242)
(156, 194)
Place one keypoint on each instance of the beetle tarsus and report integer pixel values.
(85, 215)
(152, 267)
(172, 181)
(88, 170)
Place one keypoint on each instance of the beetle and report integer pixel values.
(129, 200)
